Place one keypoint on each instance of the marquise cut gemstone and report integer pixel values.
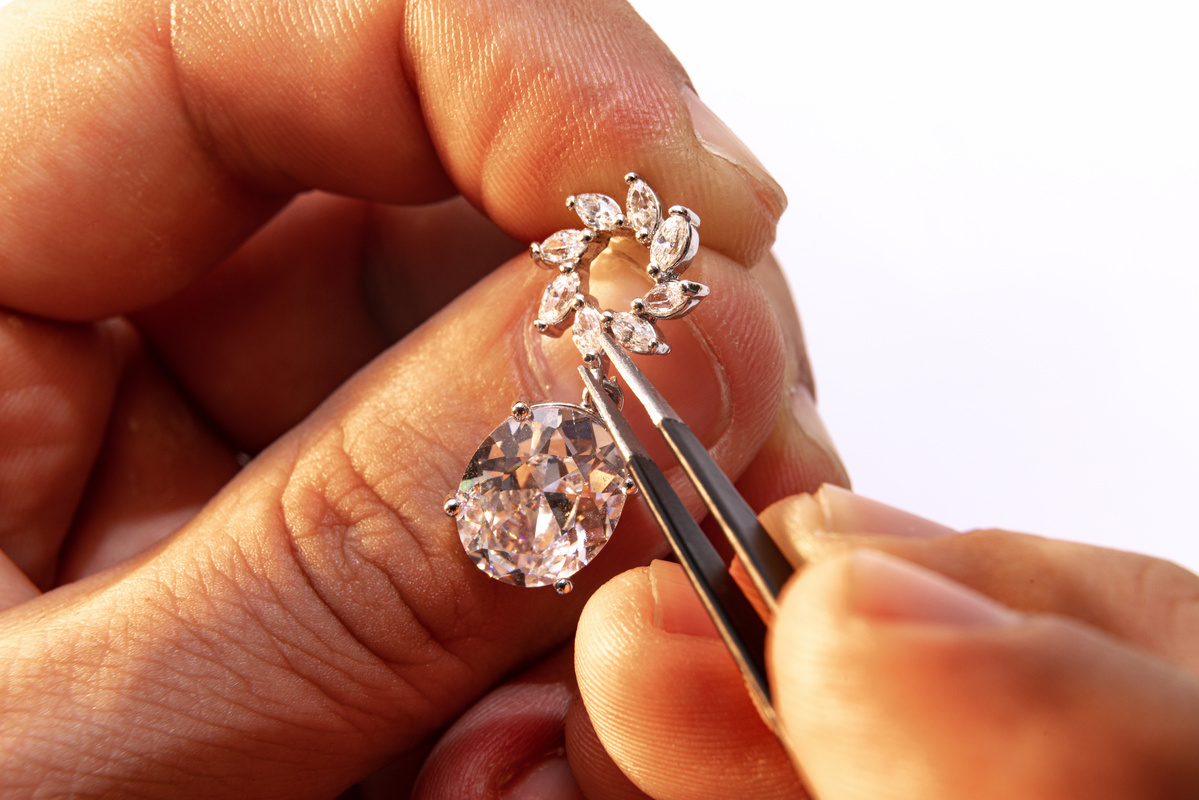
(666, 299)
(634, 333)
(541, 496)
(588, 331)
(563, 246)
(671, 243)
(558, 298)
(597, 211)
(643, 207)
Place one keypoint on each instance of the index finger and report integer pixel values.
(146, 139)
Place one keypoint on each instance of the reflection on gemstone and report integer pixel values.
(643, 207)
(671, 242)
(597, 211)
(634, 333)
(563, 246)
(541, 496)
(589, 330)
(557, 299)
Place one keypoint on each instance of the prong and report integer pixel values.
(589, 236)
(608, 317)
(629, 486)
(579, 301)
(642, 235)
(535, 251)
(521, 410)
(638, 305)
(570, 202)
(452, 507)
(661, 348)
(563, 586)
(568, 267)
(540, 325)
(693, 289)
(685, 213)
(653, 270)
(631, 176)
(619, 222)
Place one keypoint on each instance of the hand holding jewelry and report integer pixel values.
(545, 490)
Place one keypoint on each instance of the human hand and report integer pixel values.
(175, 295)
(909, 662)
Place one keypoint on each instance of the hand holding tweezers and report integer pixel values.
(738, 623)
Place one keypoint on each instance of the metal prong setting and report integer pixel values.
(630, 486)
(452, 507)
(686, 213)
(563, 586)
(521, 410)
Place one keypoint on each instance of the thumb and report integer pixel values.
(897, 682)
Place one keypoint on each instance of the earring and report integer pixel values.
(543, 493)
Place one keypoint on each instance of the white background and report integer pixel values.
(994, 239)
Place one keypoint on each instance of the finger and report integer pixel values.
(56, 385)
(322, 606)
(1145, 601)
(15, 586)
(646, 653)
(158, 466)
(199, 120)
(311, 298)
(799, 455)
(509, 745)
(598, 776)
(952, 695)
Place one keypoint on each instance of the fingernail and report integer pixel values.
(889, 589)
(834, 510)
(549, 780)
(718, 139)
(677, 608)
(803, 411)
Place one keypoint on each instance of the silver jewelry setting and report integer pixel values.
(544, 492)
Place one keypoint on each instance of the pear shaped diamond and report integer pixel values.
(643, 208)
(541, 496)
(597, 211)
(558, 299)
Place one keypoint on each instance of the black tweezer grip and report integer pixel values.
(763, 560)
(736, 620)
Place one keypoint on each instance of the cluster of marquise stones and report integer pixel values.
(545, 490)
(672, 240)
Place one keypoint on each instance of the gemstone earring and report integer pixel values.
(544, 491)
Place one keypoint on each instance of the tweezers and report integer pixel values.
(736, 619)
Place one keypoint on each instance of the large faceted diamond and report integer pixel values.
(541, 496)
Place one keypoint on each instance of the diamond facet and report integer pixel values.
(643, 208)
(541, 496)
(596, 210)
(671, 243)
(634, 333)
(563, 246)
(589, 330)
(558, 297)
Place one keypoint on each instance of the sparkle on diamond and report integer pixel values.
(541, 496)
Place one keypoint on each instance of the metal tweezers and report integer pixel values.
(739, 624)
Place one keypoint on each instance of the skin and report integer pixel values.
(263, 295)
